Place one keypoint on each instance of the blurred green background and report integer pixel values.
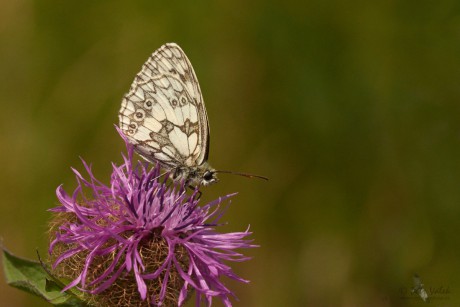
(351, 108)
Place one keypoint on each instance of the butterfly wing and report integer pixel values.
(163, 114)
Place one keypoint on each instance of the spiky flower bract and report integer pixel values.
(141, 241)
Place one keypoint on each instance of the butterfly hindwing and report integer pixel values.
(163, 114)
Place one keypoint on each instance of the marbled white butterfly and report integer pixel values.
(164, 117)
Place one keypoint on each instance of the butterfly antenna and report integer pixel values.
(243, 174)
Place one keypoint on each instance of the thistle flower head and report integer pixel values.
(141, 241)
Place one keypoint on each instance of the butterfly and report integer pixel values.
(164, 117)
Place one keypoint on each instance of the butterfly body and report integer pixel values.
(199, 175)
(164, 117)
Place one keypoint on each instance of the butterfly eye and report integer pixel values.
(174, 102)
(208, 176)
(183, 101)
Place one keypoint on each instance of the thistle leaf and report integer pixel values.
(30, 276)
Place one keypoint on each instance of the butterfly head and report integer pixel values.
(209, 177)
(204, 175)
(198, 175)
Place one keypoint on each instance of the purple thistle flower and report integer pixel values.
(142, 234)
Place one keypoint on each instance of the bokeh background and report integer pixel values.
(351, 108)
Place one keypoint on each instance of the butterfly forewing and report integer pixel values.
(163, 114)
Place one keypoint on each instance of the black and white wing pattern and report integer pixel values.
(163, 114)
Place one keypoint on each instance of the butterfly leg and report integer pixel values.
(191, 187)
